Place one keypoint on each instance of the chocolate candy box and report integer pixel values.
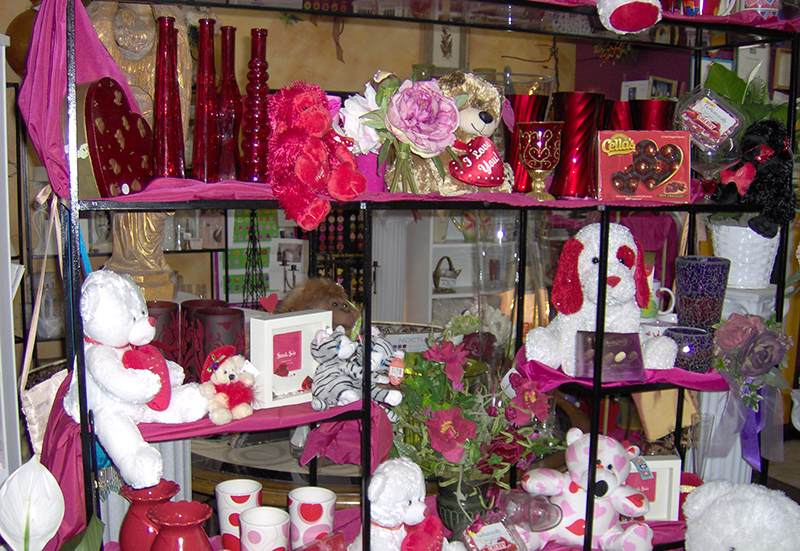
(639, 164)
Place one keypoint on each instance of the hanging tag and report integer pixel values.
(396, 371)
(641, 466)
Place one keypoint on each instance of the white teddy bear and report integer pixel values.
(227, 381)
(127, 380)
(397, 504)
(721, 516)
(575, 291)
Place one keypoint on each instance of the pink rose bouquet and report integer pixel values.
(400, 120)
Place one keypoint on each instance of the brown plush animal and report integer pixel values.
(322, 293)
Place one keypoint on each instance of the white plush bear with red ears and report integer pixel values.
(575, 290)
(128, 381)
(612, 497)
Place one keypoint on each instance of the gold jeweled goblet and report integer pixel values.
(540, 151)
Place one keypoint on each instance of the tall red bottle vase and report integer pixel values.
(575, 174)
(138, 531)
(205, 144)
(168, 129)
(255, 122)
(168, 329)
(230, 109)
(192, 336)
(527, 108)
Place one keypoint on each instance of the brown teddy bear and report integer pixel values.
(324, 294)
(480, 168)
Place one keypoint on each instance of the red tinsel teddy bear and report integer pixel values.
(307, 158)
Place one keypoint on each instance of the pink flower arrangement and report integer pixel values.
(453, 426)
(752, 350)
(399, 120)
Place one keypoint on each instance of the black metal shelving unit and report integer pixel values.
(526, 17)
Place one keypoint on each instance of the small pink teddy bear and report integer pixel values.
(612, 497)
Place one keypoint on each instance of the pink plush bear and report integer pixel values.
(308, 160)
(612, 497)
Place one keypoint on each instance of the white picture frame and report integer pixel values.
(446, 48)
(635, 89)
(663, 489)
(287, 337)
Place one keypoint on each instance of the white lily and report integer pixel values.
(31, 507)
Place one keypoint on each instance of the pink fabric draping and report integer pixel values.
(656, 232)
(550, 378)
(340, 441)
(41, 96)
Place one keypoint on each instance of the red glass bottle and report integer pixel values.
(255, 123)
(230, 109)
(168, 128)
(205, 142)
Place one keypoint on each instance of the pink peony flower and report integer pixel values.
(735, 332)
(529, 400)
(421, 116)
(453, 357)
(448, 430)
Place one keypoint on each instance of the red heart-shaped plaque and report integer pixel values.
(481, 166)
(120, 141)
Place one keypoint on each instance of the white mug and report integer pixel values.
(657, 293)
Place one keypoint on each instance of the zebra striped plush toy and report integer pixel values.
(337, 380)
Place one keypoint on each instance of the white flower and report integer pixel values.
(366, 138)
(31, 507)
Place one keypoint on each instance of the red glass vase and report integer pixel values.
(575, 174)
(255, 123)
(137, 531)
(168, 128)
(168, 331)
(192, 357)
(527, 108)
(205, 143)
(230, 109)
(180, 526)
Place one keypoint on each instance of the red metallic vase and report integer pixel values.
(168, 128)
(230, 109)
(192, 352)
(205, 146)
(527, 108)
(180, 526)
(575, 175)
(137, 531)
(255, 123)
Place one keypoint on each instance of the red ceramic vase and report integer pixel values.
(180, 526)
(137, 531)
(230, 109)
(255, 122)
(168, 329)
(205, 142)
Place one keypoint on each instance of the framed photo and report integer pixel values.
(660, 481)
(781, 76)
(445, 48)
(635, 89)
(280, 348)
(662, 87)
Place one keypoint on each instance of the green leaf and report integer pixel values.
(774, 378)
(437, 162)
(726, 83)
(90, 539)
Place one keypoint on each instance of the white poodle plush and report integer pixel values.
(721, 516)
(227, 381)
(128, 381)
(398, 511)
(575, 290)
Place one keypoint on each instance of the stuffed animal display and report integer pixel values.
(575, 289)
(227, 382)
(760, 178)
(721, 516)
(323, 294)
(128, 381)
(480, 167)
(308, 160)
(398, 512)
(612, 497)
(339, 375)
